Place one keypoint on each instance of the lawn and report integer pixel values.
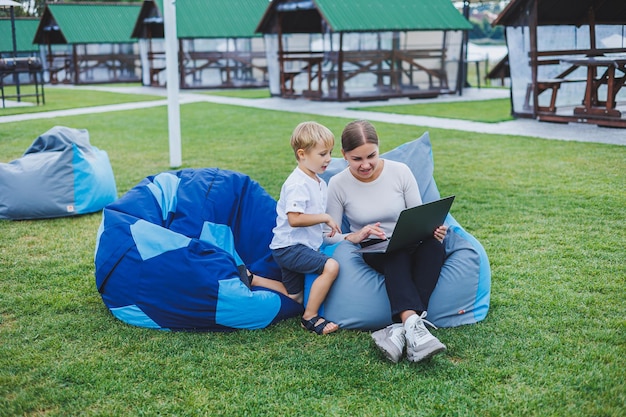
(488, 111)
(550, 215)
(60, 98)
(245, 93)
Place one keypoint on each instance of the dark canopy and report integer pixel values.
(564, 12)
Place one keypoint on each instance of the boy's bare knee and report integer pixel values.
(331, 267)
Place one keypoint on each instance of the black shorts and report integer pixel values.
(296, 261)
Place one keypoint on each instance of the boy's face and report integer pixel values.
(315, 161)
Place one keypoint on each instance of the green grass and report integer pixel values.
(59, 98)
(488, 111)
(241, 93)
(550, 215)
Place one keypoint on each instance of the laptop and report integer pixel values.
(414, 225)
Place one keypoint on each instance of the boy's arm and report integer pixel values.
(303, 220)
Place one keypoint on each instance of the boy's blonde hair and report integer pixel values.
(308, 134)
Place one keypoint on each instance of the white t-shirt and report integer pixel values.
(300, 194)
(365, 203)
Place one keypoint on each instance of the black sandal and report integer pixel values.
(310, 325)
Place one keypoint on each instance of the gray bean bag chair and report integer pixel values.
(59, 175)
(358, 298)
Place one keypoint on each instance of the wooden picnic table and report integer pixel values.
(592, 106)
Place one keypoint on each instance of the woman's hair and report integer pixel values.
(308, 134)
(357, 133)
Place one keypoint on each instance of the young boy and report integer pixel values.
(301, 216)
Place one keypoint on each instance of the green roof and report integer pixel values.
(299, 16)
(24, 33)
(92, 23)
(217, 18)
(367, 15)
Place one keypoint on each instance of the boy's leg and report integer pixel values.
(292, 279)
(272, 284)
(308, 261)
(298, 297)
(320, 288)
(317, 295)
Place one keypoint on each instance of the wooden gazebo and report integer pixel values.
(363, 49)
(89, 42)
(567, 60)
(217, 43)
(24, 31)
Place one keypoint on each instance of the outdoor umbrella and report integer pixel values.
(11, 3)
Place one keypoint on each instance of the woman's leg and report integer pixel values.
(428, 259)
(401, 290)
(409, 301)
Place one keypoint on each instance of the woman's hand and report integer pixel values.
(366, 232)
(441, 232)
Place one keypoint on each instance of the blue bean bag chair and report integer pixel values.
(171, 253)
(358, 298)
(59, 175)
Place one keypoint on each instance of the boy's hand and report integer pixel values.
(333, 227)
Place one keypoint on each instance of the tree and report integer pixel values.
(35, 8)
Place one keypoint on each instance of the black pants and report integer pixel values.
(410, 275)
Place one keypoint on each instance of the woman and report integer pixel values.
(371, 192)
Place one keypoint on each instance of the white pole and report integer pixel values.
(145, 64)
(171, 68)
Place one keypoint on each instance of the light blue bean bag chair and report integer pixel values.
(358, 298)
(59, 175)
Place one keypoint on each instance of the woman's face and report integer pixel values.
(363, 162)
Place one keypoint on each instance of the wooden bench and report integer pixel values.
(552, 58)
(553, 84)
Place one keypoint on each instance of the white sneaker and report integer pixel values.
(420, 344)
(390, 340)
